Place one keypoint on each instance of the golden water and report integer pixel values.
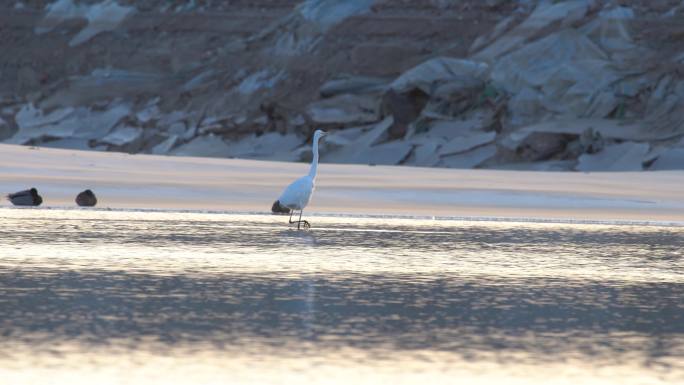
(117, 297)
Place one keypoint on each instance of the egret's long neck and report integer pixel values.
(314, 161)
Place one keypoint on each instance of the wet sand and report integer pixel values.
(186, 183)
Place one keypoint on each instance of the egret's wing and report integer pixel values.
(297, 194)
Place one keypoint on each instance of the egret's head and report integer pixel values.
(319, 134)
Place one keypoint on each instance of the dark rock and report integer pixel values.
(543, 146)
(276, 115)
(278, 209)
(404, 108)
(591, 141)
(347, 84)
(6, 131)
(26, 198)
(458, 97)
(671, 159)
(384, 58)
(626, 156)
(86, 199)
(345, 109)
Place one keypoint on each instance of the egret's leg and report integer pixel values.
(300, 221)
(306, 224)
(291, 221)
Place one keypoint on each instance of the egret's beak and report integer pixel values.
(324, 133)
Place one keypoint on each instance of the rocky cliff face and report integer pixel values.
(546, 85)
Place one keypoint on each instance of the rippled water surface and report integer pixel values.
(115, 297)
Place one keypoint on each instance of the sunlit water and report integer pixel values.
(115, 297)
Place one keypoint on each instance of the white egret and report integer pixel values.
(298, 194)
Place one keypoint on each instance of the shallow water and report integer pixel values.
(94, 296)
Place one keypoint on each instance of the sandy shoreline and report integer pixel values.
(185, 183)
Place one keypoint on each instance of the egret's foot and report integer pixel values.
(301, 224)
